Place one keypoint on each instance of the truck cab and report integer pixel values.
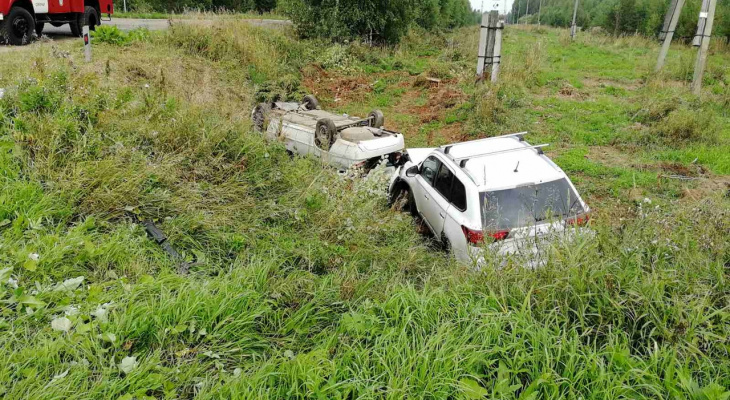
(19, 19)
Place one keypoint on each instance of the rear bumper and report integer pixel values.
(528, 252)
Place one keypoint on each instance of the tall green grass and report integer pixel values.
(306, 284)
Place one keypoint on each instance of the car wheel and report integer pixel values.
(377, 119)
(17, 29)
(259, 115)
(402, 200)
(324, 135)
(446, 244)
(310, 102)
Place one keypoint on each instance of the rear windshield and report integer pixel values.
(528, 205)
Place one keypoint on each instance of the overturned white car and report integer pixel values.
(340, 140)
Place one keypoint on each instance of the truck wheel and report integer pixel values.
(377, 119)
(310, 102)
(259, 115)
(90, 17)
(324, 134)
(39, 28)
(17, 29)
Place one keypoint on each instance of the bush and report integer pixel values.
(686, 125)
(112, 35)
(374, 21)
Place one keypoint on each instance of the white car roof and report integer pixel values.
(497, 171)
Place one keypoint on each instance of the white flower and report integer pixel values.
(34, 256)
(647, 200)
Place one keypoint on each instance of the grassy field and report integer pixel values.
(194, 14)
(305, 284)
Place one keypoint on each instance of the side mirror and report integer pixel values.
(412, 171)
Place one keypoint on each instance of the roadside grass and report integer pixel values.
(306, 284)
(197, 14)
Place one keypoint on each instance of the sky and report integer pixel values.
(489, 4)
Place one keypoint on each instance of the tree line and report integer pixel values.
(375, 21)
(644, 17)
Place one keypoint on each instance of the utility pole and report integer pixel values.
(497, 55)
(701, 22)
(704, 46)
(539, 12)
(670, 25)
(574, 28)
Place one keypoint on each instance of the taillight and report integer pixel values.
(579, 220)
(499, 235)
(472, 236)
(477, 237)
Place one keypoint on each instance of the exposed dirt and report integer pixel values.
(330, 86)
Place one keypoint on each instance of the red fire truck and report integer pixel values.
(20, 18)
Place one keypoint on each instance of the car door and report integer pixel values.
(440, 199)
(425, 178)
(431, 204)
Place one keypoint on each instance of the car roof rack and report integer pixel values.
(463, 160)
(520, 136)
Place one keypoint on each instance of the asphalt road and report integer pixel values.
(63, 33)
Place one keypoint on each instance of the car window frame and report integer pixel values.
(453, 180)
(436, 181)
(436, 173)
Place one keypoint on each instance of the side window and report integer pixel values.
(443, 182)
(429, 168)
(458, 195)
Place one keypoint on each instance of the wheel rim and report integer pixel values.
(21, 27)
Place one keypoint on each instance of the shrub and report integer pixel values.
(110, 34)
(374, 21)
(686, 125)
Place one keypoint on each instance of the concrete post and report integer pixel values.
(87, 42)
(702, 52)
(497, 58)
(669, 33)
(573, 28)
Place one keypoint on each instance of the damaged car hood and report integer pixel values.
(419, 154)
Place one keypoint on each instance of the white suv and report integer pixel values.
(499, 192)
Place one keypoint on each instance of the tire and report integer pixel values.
(324, 134)
(17, 28)
(39, 28)
(445, 245)
(402, 200)
(310, 102)
(90, 17)
(259, 115)
(377, 119)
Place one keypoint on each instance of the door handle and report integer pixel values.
(442, 215)
(426, 196)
